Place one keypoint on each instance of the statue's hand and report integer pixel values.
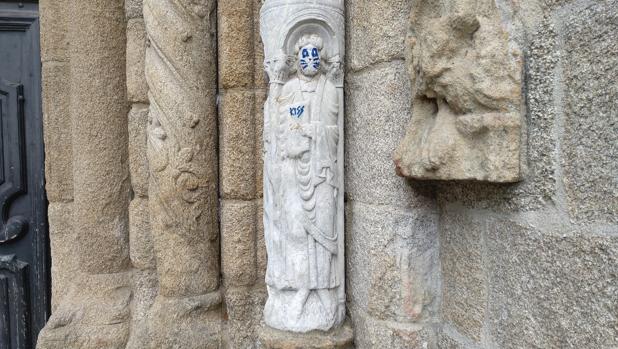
(308, 130)
(277, 68)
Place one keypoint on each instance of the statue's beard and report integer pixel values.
(309, 71)
(309, 67)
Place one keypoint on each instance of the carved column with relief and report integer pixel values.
(182, 155)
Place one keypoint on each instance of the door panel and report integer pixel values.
(24, 257)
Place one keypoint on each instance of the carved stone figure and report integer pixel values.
(303, 180)
(466, 80)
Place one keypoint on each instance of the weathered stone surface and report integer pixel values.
(551, 290)
(138, 160)
(260, 79)
(260, 99)
(393, 265)
(238, 242)
(372, 333)
(372, 132)
(372, 38)
(63, 246)
(340, 338)
(182, 138)
(137, 88)
(93, 314)
(261, 255)
(236, 42)
(57, 135)
(190, 323)
(100, 135)
(243, 309)
(237, 145)
(144, 294)
(590, 146)
(467, 108)
(133, 8)
(54, 25)
(464, 283)
(140, 235)
(183, 176)
(549, 5)
(447, 342)
(539, 187)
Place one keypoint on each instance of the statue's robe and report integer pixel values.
(301, 185)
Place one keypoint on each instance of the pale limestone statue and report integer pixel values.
(303, 185)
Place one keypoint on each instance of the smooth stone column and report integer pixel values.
(96, 309)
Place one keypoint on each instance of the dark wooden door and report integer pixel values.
(24, 257)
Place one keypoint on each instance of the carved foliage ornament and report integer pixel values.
(467, 97)
(303, 164)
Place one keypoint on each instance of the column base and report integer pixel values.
(339, 338)
(94, 313)
(188, 323)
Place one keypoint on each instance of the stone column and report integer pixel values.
(56, 69)
(96, 309)
(182, 141)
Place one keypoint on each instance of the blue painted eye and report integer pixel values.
(314, 52)
(305, 53)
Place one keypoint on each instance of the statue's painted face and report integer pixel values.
(309, 60)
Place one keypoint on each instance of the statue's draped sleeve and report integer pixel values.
(327, 137)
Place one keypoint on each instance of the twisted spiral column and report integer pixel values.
(182, 136)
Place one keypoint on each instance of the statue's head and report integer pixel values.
(309, 52)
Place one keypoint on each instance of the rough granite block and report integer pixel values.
(590, 140)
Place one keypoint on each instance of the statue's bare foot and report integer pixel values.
(93, 314)
(188, 323)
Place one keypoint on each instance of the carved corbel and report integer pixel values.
(467, 108)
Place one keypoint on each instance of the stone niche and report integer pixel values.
(467, 108)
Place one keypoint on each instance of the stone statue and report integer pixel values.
(301, 177)
(303, 164)
(303, 186)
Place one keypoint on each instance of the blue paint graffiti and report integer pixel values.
(297, 112)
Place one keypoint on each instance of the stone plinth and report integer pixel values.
(339, 338)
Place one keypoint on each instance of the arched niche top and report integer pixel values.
(311, 26)
(284, 22)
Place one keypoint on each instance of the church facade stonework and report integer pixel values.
(331, 174)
